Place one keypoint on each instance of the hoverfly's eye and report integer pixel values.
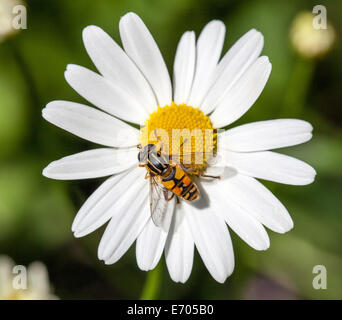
(142, 155)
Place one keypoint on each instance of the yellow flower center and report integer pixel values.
(185, 133)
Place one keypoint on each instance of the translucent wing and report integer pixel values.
(161, 204)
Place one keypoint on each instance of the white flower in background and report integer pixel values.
(6, 18)
(207, 93)
(310, 42)
(37, 286)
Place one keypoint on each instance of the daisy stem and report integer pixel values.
(152, 283)
(299, 83)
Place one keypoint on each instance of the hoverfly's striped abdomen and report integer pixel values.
(180, 184)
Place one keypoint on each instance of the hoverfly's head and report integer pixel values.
(144, 153)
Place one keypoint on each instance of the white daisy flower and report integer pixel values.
(133, 85)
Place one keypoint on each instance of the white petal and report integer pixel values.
(215, 170)
(92, 164)
(184, 67)
(125, 226)
(90, 124)
(256, 200)
(243, 93)
(244, 225)
(265, 135)
(179, 247)
(114, 64)
(38, 279)
(6, 275)
(234, 63)
(271, 166)
(150, 246)
(212, 240)
(104, 94)
(151, 242)
(143, 50)
(104, 202)
(208, 52)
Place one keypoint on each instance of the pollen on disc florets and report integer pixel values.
(174, 125)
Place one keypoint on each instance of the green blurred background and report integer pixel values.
(36, 213)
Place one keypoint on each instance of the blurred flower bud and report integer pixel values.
(7, 14)
(308, 39)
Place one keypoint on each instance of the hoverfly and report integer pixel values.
(167, 180)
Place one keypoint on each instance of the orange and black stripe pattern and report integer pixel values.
(172, 177)
(180, 184)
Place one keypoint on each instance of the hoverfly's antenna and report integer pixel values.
(181, 145)
(155, 134)
(185, 140)
(157, 138)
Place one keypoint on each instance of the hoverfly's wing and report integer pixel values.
(161, 205)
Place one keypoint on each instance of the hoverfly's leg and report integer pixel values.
(198, 172)
(178, 202)
(147, 175)
(190, 170)
(194, 171)
(181, 145)
(166, 195)
(170, 198)
(207, 176)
